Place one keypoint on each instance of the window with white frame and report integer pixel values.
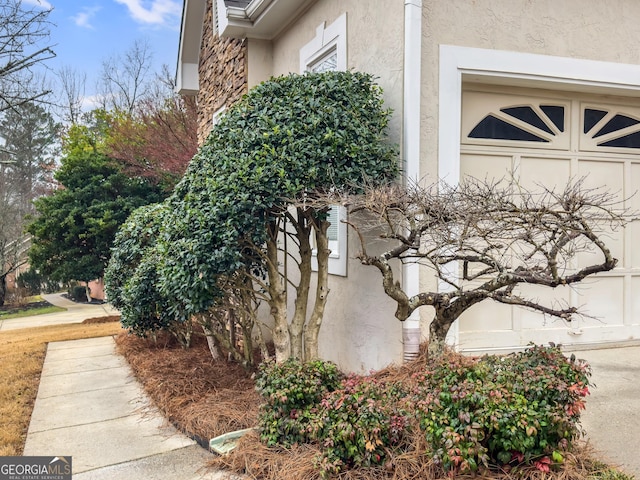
(217, 115)
(325, 53)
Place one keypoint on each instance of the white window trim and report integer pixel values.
(333, 37)
(514, 69)
(338, 256)
(327, 40)
(215, 118)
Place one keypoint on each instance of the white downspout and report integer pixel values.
(411, 150)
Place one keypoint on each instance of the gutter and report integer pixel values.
(411, 335)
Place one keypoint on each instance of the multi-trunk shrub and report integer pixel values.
(516, 410)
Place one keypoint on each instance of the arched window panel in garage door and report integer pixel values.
(531, 122)
(609, 128)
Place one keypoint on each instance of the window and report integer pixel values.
(325, 53)
(526, 123)
(215, 118)
(611, 128)
(328, 49)
(517, 120)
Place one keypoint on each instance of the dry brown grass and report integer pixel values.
(22, 354)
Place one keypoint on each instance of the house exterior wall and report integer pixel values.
(572, 28)
(222, 74)
(359, 330)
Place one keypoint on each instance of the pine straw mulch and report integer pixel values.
(206, 398)
(202, 397)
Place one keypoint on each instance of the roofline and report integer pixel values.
(261, 19)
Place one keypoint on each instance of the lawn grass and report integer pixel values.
(22, 354)
(31, 312)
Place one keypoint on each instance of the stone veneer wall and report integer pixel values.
(223, 74)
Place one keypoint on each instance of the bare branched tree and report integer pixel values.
(483, 240)
(72, 92)
(125, 79)
(22, 32)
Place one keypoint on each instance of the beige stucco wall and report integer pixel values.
(359, 330)
(587, 29)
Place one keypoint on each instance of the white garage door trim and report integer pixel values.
(514, 69)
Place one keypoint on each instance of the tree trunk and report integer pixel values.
(3, 288)
(277, 302)
(297, 326)
(87, 291)
(438, 330)
(312, 329)
(211, 342)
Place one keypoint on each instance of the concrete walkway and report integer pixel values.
(75, 313)
(91, 408)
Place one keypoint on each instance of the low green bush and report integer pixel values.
(31, 281)
(79, 293)
(292, 391)
(516, 410)
(359, 424)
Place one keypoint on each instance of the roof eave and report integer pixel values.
(262, 19)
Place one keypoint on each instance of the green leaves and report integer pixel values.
(292, 390)
(513, 409)
(76, 225)
(289, 135)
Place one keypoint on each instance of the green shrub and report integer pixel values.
(31, 281)
(521, 408)
(359, 424)
(79, 293)
(292, 391)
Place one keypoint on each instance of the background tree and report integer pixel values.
(158, 141)
(22, 33)
(486, 241)
(125, 79)
(76, 225)
(72, 84)
(28, 152)
(290, 138)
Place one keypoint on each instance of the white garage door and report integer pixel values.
(549, 137)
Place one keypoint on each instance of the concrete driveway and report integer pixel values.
(612, 417)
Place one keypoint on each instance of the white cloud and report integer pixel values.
(83, 18)
(38, 3)
(155, 12)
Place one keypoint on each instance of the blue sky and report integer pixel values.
(85, 32)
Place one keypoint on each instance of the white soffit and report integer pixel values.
(189, 48)
(261, 19)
